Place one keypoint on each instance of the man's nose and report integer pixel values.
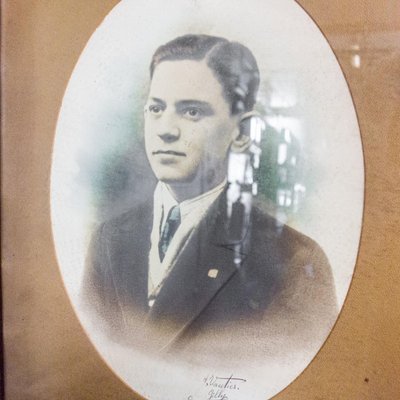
(169, 129)
(170, 135)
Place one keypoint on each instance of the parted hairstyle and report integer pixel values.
(232, 63)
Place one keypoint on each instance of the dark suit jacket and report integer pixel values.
(284, 286)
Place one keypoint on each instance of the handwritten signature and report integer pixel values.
(220, 387)
(214, 395)
(219, 382)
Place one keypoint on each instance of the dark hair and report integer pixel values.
(232, 63)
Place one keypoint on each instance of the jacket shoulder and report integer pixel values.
(298, 257)
(290, 241)
(139, 215)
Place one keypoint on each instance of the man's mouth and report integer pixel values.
(169, 152)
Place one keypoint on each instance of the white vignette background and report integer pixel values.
(107, 89)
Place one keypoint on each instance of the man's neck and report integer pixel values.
(182, 192)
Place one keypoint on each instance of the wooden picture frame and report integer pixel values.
(46, 352)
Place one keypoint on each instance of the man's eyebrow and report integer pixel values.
(158, 101)
(204, 105)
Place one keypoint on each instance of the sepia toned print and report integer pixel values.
(47, 354)
(195, 205)
(171, 264)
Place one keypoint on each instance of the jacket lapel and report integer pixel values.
(203, 267)
(128, 250)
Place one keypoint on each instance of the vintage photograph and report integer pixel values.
(200, 199)
(198, 177)
(200, 253)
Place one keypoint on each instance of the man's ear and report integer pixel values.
(241, 141)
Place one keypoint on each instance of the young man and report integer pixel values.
(168, 265)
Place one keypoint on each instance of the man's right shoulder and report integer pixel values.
(140, 215)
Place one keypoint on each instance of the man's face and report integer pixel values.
(188, 124)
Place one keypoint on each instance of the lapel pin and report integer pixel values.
(213, 273)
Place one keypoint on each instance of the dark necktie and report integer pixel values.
(170, 227)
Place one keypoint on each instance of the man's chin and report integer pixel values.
(173, 174)
(177, 181)
(182, 180)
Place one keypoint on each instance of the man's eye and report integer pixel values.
(154, 109)
(193, 113)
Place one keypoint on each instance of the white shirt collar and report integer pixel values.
(186, 207)
(192, 211)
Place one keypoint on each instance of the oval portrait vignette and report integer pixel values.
(206, 195)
